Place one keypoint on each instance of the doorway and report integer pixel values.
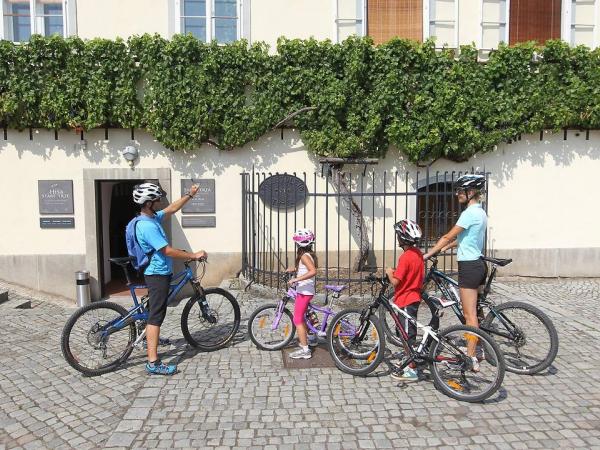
(115, 210)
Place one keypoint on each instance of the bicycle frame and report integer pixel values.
(139, 313)
(291, 294)
(436, 275)
(395, 311)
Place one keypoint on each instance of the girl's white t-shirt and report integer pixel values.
(305, 287)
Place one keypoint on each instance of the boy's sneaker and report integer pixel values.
(301, 354)
(160, 368)
(407, 375)
(313, 340)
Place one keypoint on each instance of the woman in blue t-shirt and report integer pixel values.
(469, 235)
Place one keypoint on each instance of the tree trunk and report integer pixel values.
(359, 230)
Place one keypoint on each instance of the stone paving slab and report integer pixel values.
(320, 358)
(240, 397)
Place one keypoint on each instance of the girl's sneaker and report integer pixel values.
(301, 353)
(475, 364)
(407, 375)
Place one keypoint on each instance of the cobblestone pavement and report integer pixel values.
(241, 397)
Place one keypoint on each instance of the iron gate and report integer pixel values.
(351, 214)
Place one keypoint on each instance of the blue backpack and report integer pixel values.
(141, 259)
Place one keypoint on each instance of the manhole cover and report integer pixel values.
(320, 359)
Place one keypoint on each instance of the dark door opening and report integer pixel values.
(115, 210)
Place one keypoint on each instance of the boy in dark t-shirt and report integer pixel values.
(407, 279)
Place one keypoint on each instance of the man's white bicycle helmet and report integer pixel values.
(146, 192)
(470, 181)
(303, 237)
(408, 231)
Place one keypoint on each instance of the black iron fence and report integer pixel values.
(352, 215)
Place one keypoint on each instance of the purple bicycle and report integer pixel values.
(271, 326)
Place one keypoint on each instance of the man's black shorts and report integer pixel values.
(471, 274)
(158, 290)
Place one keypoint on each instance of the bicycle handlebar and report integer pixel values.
(200, 260)
(371, 278)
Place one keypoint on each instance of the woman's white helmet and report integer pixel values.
(468, 181)
(146, 192)
(303, 237)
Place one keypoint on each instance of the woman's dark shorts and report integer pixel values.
(471, 274)
(158, 292)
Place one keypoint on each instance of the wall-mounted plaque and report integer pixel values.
(55, 196)
(198, 222)
(57, 222)
(203, 201)
(283, 191)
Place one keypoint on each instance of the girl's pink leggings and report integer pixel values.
(301, 304)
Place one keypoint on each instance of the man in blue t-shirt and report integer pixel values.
(153, 240)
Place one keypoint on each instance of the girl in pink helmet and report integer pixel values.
(306, 269)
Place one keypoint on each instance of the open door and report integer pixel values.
(115, 209)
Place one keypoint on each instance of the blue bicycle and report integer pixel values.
(99, 337)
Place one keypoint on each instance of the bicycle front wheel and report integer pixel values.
(356, 344)
(453, 370)
(526, 336)
(210, 325)
(270, 330)
(91, 345)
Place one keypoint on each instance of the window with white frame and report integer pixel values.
(494, 23)
(584, 16)
(211, 20)
(22, 18)
(349, 18)
(443, 22)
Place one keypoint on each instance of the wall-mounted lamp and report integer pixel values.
(130, 153)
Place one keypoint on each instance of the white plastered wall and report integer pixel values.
(291, 18)
(539, 195)
(122, 18)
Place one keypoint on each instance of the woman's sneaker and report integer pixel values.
(301, 353)
(160, 368)
(407, 375)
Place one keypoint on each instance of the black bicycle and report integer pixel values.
(356, 341)
(526, 336)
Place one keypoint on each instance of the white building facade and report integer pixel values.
(485, 23)
(539, 189)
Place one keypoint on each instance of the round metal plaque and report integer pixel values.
(282, 191)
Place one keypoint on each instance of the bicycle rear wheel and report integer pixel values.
(86, 345)
(356, 344)
(453, 370)
(213, 325)
(526, 336)
(265, 333)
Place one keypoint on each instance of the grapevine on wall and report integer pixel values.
(362, 98)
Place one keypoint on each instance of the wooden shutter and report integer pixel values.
(395, 18)
(534, 20)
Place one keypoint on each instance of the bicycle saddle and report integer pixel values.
(498, 261)
(121, 261)
(333, 288)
